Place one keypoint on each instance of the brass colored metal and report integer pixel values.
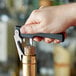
(29, 61)
(45, 2)
(62, 62)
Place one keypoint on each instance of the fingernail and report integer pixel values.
(56, 41)
(48, 41)
(36, 39)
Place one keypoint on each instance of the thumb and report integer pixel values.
(30, 29)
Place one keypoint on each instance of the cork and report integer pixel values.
(29, 50)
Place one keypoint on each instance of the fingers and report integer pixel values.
(38, 39)
(48, 40)
(56, 41)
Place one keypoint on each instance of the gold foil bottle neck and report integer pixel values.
(29, 61)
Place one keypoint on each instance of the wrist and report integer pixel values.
(73, 13)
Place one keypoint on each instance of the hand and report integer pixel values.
(55, 19)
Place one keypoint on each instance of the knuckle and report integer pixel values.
(34, 11)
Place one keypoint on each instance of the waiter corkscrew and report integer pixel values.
(26, 50)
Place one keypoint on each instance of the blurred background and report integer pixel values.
(15, 12)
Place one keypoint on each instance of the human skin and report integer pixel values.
(53, 19)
